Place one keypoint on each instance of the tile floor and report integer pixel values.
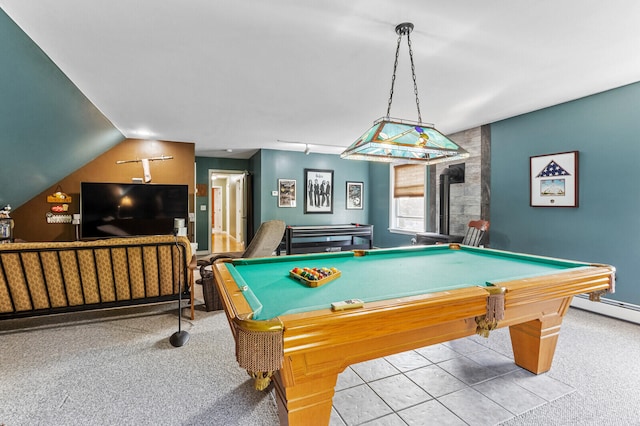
(461, 382)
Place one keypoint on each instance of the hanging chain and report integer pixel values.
(393, 79)
(413, 73)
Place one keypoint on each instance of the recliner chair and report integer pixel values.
(263, 244)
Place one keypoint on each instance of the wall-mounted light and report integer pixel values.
(146, 170)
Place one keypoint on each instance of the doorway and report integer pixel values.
(227, 204)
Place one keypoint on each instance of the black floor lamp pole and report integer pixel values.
(180, 337)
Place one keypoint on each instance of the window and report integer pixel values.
(408, 200)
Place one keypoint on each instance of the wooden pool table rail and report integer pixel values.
(318, 345)
(534, 308)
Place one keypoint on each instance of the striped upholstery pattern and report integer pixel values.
(50, 277)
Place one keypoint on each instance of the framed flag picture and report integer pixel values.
(554, 180)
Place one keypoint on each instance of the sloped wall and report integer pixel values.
(47, 126)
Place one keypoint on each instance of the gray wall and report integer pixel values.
(48, 127)
(605, 227)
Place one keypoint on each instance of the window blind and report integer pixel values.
(408, 180)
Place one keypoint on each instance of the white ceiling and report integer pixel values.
(246, 74)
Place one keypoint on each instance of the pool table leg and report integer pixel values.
(534, 342)
(306, 403)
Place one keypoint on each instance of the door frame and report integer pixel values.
(228, 175)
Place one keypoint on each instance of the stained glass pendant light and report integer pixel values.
(396, 140)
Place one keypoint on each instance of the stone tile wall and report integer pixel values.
(468, 200)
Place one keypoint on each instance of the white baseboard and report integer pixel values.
(610, 308)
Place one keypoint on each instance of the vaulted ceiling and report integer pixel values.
(240, 75)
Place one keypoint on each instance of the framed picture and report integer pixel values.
(318, 193)
(554, 180)
(286, 192)
(354, 195)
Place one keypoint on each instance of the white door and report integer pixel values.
(216, 209)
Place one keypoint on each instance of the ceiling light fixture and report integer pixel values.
(396, 140)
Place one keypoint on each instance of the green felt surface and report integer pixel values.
(380, 275)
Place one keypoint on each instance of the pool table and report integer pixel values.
(286, 330)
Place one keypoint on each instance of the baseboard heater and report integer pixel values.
(612, 308)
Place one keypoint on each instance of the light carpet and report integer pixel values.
(118, 367)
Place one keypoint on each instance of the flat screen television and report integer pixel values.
(130, 209)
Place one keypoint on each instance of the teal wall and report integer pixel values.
(267, 166)
(605, 227)
(290, 165)
(255, 168)
(49, 128)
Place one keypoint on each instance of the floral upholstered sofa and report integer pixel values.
(51, 277)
